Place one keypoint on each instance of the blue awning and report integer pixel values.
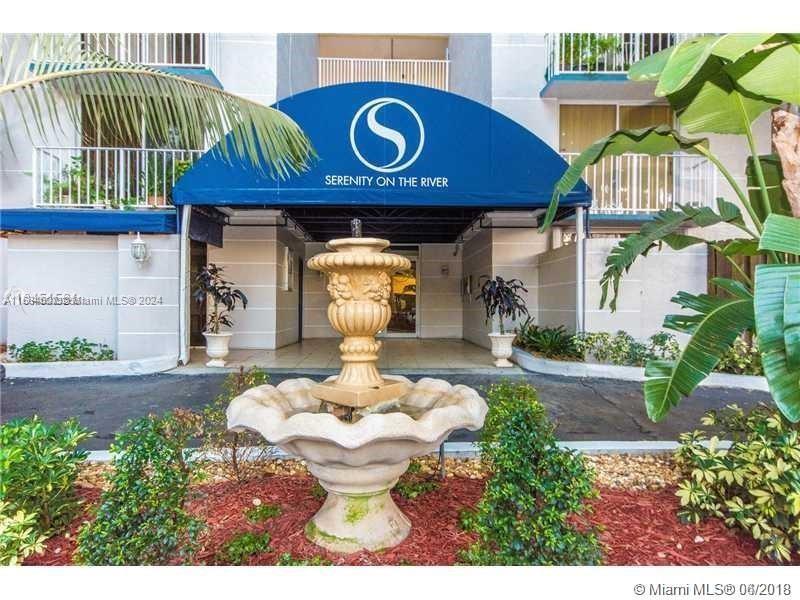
(391, 144)
(88, 220)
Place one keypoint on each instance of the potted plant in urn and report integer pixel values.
(502, 299)
(210, 284)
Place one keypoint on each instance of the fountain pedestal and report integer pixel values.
(390, 419)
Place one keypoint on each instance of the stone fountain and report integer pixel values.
(357, 431)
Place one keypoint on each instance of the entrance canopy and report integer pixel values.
(389, 149)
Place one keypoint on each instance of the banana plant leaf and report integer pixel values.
(654, 141)
(772, 72)
(663, 228)
(714, 327)
(781, 234)
(777, 308)
(773, 178)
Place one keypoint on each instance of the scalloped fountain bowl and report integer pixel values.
(358, 431)
(358, 463)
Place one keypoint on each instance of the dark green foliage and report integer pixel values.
(39, 463)
(62, 350)
(240, 454)
(263, 512)
(550, 342)
(141, 518)
(287, 560)
(532, 507)
(242, 546)
(210, 283)
(501, 298)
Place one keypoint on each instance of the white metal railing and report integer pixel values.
(157, 49)
(107, 177)
(640, 183)
(430, 73)
(603, 52)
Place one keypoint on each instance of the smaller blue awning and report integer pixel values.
(88, 220)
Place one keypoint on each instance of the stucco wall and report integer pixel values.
(439, 309)
(518, 68)
(315, 298)
(63, 264)
(556, 287)
(150, 326)
(247, 65)
(287, 326)
(471, 66)
(249, 257)
(477, 254)
(297, 63)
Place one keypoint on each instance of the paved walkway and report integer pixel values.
(323, 353)
(583, 409)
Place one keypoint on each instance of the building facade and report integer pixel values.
(566, 89)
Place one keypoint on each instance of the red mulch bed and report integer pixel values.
(639, 528)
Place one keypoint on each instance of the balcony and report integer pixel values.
(116, 178)
(595, 65)
(640, 184)
(425, 72)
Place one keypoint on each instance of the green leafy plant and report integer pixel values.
(19, 535)
(141, 518)
(623, 349)
(240, 454)
(40, 463)
(550, 342)
(754, 485)
(287, 560)
(318, 492)
(62, 350)
(588, 51)
(742, 358)
(209, 283)
(74, 183)
(532, 508)
(414, 489)
(262, 512)
(242, 546)
(720, 84)
(501, 298)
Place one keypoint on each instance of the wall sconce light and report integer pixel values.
(139, 251)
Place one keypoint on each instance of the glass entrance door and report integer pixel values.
(404, 301)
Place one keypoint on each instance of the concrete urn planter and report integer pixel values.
(502, 348)
(217, 347)
(358, 463)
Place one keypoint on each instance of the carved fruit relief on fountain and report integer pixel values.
(359, 429)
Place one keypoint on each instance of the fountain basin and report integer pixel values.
(358, 463)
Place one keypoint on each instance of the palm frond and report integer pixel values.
(55, 80)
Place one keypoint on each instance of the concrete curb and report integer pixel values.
(529, 362)
(90, 368)
(470, 449)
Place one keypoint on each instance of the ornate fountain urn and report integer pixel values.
(359, 283)
(358, 430)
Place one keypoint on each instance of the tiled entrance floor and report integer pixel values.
(397, 353)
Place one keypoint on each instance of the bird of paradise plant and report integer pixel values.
(721, 84)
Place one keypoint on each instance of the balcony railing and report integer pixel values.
(157, 49)
(430, 73)
(93, 177)
(603, 52)
(640, 183)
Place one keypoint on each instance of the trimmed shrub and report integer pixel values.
(39, 463)
(531, 510)
(141, 518)
(19, 537)
(75, 349)
(754, 486)
(550, 342)
(241, 454)
(623, 349)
